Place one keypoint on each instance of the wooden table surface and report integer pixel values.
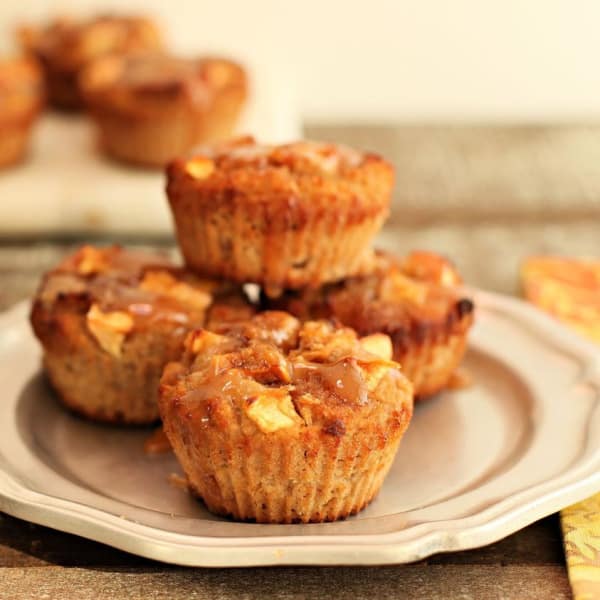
(485, 196)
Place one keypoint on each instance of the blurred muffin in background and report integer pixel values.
(21, 99)
(65, 46)
(151, 108)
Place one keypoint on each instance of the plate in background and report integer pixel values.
(475, 466)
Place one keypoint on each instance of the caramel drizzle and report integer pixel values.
(343, 378)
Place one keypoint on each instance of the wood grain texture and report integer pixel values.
(468, 173)
(410, 582)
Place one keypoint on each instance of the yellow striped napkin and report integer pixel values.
(569, 289)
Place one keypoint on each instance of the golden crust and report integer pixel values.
(151, 108)
(109, 320)
(21, 100)
(286, 216)
(415, 301)
(277, 421)
(65, 46)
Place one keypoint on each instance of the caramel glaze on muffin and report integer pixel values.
(416, 301)
(65, 46)
(109, 320)
(289, 216)
(151, 108)
(21, 99)
(280, 422)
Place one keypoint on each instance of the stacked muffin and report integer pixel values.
(301, 415)
(287, 408)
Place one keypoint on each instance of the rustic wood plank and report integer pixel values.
(410, 582)
(468, 173)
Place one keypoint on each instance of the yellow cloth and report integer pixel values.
(570, 290)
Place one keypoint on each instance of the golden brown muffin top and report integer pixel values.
(404, 298)
(294, 182)
(303, 158)
(122, 291)
(280, 375)
(69, 44)
(21, 87)
(144, 82)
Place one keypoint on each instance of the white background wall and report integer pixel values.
(373, 60)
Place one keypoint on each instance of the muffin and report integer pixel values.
(281, 422)
(21, 99)
(65, 46)
(109, 320)
(417, 301)
(288, 216)
(151, 108)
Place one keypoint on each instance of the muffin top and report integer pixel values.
(334, 174)
(404, 298)
(68, 44)
(278, 375)
(21, 87)
(152, 80)
(119, 292)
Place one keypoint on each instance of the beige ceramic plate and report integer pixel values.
(476, 464)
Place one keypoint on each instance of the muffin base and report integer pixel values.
(108, 400)
(143, 141)
(97, 385)
(152, 141)
(231, 515)
(431, 365)
(280, 482)
(227, 242)
(306, 475)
